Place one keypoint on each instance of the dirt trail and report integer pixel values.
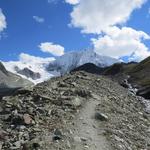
(87, 129)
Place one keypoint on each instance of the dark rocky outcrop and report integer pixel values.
(90, 68)
(28, 73)
(3, 69)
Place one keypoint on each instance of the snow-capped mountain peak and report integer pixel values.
(71, 60)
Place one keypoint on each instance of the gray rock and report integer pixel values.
(17, 120)
(100, 116)
(34, 144)
(57, 135)
(27, 119)
(1, 144)
(76, 102)
(3, 135)
(83, 139)
(77, 139)
(17, 144)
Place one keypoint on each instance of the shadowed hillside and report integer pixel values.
(140, 73)
(90, 68)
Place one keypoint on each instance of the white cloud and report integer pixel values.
(36, 64)
(102, 17)
(122, 42)
(3, 23)
(72, 2)
(38, 19)
(54, 49)
(26, 58)
(95, 16)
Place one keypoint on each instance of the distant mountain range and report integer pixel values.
(61, 65)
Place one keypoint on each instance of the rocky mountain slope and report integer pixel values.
(75, 112)
(9, 82)
(137, 74)
(140, 73)
(140, 77)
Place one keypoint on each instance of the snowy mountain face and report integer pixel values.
(70, 61)
(39, 70)
(33, 70)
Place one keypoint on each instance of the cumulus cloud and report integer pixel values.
(122, 42)
(54, 49)
(95, 16)
(72, 2)
(26, 58)
(36, 64)
(3, 23)
(102, 17)
(38, 19)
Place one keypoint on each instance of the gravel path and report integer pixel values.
(88, 131)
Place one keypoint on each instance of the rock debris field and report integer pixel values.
(79, 111)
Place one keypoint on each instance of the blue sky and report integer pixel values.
(24, 33)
